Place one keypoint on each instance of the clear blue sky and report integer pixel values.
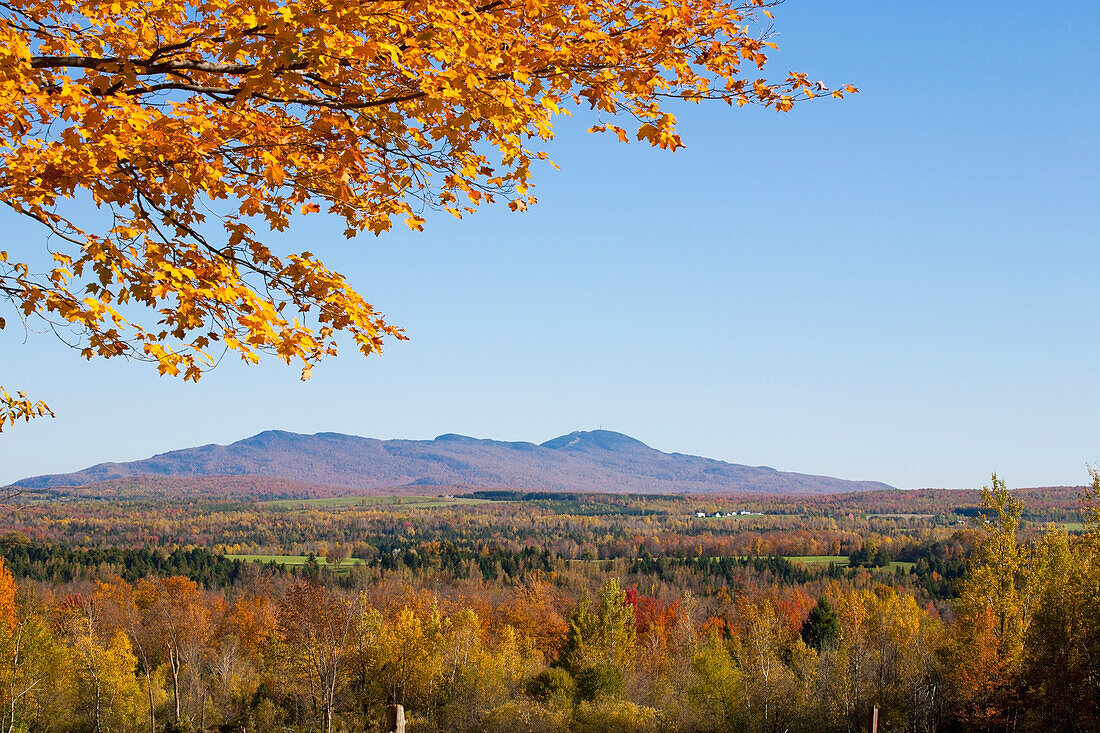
(901, 286)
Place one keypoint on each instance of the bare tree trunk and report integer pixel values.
(152, 706)
(174, 664)
(98, 725)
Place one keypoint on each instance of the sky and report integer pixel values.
(899, 286)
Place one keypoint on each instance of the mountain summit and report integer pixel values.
(587, 440)
(596, 460)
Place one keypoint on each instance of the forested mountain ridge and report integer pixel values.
(598, 460)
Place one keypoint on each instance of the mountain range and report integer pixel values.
(597, 460)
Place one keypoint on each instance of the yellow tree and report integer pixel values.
(1062, 650)
(996, 602)
(192, 126)
(108, 695)
(769, 684)
(34, 675)
(407, 648)
(126, 608)
(715, 697)
(601, 644)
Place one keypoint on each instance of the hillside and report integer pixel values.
(598, 460)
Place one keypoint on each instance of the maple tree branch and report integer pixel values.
(219, 92)
(164, 115)
(115, 64)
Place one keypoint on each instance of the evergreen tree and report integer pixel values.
(821, 629)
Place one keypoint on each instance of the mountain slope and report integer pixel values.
(598, 460)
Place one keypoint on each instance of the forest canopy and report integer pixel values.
(566, 612)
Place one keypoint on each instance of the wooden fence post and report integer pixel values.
(872, 719)
(395, 719)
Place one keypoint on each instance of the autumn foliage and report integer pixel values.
(194, 127)
(7, 598)
(575, 613)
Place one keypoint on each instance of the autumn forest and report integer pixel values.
(538, 611)
(178, 161)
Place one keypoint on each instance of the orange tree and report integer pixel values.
(156, 140)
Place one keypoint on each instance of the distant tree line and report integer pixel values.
(59, 564)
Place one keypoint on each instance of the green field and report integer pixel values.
(843, 560)
(292, 559)
(820, 559)
(336, 502)
(295, 560)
